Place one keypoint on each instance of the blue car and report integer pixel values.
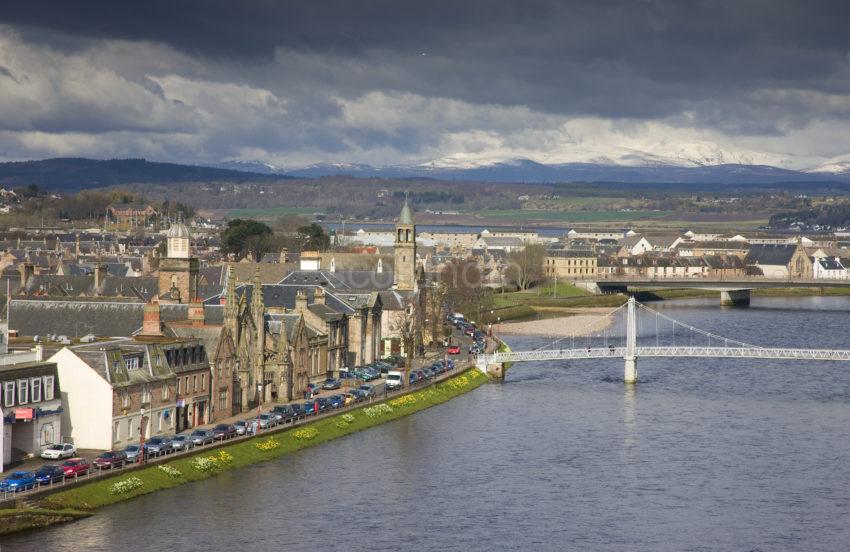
(309, 408)
(18, 481)
(47, 474)
(337, 401)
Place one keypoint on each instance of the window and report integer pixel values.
(23, 391)
(129, 428)
(125, 399)
(116, 432)
(194, 383)
(165, 391)
(132, 363)
(203, 381)
(222, 400)
(35, 389)
(186, 385)
(178, 385)
(146, 394)
(48, 388)
(9, 393)
(159, 421)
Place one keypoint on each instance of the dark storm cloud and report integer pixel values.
(633, 58)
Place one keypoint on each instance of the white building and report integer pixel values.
(829, 268)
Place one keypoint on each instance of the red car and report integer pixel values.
(453, 349)
(76, 466)
(111, 459)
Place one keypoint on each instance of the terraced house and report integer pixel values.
(113, 391)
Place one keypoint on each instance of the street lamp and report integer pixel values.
(142, 423)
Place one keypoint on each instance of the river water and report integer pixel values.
(700, 455)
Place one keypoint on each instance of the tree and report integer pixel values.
(406, 324)
(315, 238)
(435, 301)
(525, 266)
(244, 236)
(464, 289)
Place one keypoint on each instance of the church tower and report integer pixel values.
(404, 272)
(178, 271)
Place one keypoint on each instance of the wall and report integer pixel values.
(86, 400)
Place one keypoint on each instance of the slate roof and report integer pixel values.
(102, 318)
(770, 254)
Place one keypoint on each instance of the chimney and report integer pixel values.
(319, 296)
(152, 325)
(283, 253)
(300, 301)
(99, 275)
(27, 272)
(196, 312)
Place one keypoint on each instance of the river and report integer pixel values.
(701, 455)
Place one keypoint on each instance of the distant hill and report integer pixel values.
(72, 173)
(524, 170)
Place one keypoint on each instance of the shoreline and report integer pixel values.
(85, 498)
(578, 322)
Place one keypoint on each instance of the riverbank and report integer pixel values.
(575, 322)
(87, 497)
(524, 305)
(21, 519)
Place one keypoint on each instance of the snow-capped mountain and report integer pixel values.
(257, 167)
(836, 165)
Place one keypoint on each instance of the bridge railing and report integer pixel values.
(779, 353)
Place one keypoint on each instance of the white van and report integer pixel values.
(394, 379)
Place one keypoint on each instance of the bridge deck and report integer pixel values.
(667, 351)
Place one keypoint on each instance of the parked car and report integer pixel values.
(265, 421)
(309, 408)
(76, 467)
(324, 403)
(359, 394)
(367, 390)
(313, 388)
(384, 367)
(202, 436)
(133, 453)
(18, 481)
(394, 380)
(411, 378)
(243, 427)
(225, 431)
(349, 399)
(156, 446)
(337, 401)
(182, 442)
(331, 383)
(453, 349)
(49, 473)
(111, 459)
(285, 413)
(58, 451)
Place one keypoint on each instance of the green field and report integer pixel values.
(570, 216)
(271, 212)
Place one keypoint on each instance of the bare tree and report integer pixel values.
(435, 301)
(525, 266)
(406, 325)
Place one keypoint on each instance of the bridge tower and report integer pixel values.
(630, 372)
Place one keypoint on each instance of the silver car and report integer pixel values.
(182, 442)
(59, 451)
(202, 437)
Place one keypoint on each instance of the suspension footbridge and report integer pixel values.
(661, 336)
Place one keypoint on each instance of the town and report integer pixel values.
(134, 333)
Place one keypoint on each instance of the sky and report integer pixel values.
(447, 83)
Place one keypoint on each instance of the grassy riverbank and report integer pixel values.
(19, 519)
(262, 448)
(526, 304)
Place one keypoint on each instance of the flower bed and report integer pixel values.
(171, 471)
(305, 433)
(126, 485)
(267, 445)
(378, 410)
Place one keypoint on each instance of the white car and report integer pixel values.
(394, 380)
(59, 450)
